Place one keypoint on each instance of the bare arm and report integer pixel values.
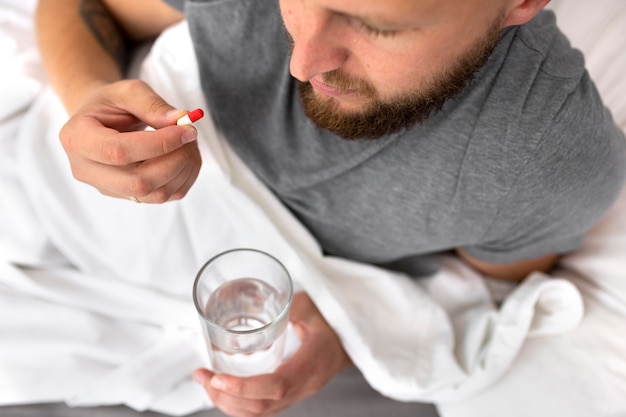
(514, 271)
(143, 19)
(85, 45)
(82, 45)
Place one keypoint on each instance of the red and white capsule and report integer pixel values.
(190, 117)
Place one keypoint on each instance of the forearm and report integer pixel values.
(515, 271)
(81, 46)
(84, 49)
(86, 43)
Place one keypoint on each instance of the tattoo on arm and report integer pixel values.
(106, 30)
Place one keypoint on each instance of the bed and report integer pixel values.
(80, 334)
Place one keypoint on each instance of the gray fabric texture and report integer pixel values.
(520, 164)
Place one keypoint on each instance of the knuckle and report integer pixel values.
(236, 389)
(65, 137)
(178, 195)
(180, 157)
(133, 86)
(77, 172)
(166, 148)
(68, 139)
(260, 406)
(139, 186)
(186, 156)
(159, 196)
(281, 390)
(115, 154)
(192, 156)
(157, 106)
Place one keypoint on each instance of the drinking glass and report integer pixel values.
(243, 297)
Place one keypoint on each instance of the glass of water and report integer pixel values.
(243, 298)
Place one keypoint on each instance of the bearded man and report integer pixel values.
(392, 129)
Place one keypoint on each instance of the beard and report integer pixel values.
(382, 118)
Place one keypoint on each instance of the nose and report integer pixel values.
(317, 43)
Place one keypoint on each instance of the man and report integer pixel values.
(392, 129)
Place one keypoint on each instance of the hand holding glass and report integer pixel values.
(243, 298)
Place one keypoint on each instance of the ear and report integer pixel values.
(522, 11)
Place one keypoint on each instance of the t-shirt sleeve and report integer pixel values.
(568, 183)
(177, 4)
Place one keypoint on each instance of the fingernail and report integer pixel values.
(218, 383)
(189, 134)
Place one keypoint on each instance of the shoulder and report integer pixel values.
(546, 70)
(544, 102)
(237, 29)
(556, 152)
(551, 49)
(573, 135)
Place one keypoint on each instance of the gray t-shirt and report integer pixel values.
(521, 164)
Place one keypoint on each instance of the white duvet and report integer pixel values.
(95, 293)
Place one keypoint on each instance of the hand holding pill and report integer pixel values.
(109, 148)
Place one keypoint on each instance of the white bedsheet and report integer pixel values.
(95, 303)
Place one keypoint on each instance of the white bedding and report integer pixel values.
(95, 301)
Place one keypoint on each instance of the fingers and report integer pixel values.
(172, 179)
(112, 147)
(108, 146)
(156, 166)
(157, 180)
(242, 407)
(266, 386)
(319, 357)
(260, 395)
(137, 99)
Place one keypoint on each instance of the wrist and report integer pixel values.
(73, 98)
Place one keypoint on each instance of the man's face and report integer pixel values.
(369, 67)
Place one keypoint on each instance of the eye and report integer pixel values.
(371, 30)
